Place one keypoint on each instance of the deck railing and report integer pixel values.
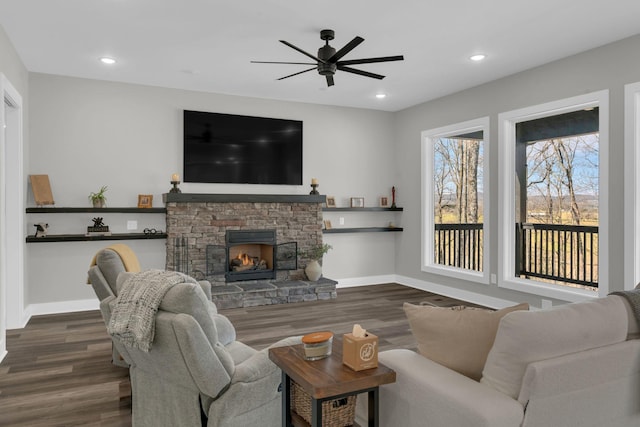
(556, 252)
(565, 253)
(459, 245)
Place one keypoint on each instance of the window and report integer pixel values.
(455, 240)
(554, 162)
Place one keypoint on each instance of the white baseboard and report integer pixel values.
(447, 291)
(60, 307)
(450, 292)
(366, 281)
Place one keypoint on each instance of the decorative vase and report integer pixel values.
(98, 203)
(313, 270)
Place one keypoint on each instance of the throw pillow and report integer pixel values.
(459, 338)
(527, 337)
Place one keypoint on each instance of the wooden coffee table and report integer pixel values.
(326, 379)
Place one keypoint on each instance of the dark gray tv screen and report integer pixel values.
(234, 149)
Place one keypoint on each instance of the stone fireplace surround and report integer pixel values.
(203, 219)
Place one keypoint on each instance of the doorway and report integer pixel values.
(12, 206)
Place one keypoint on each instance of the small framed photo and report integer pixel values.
(145, 200)
(331, 202)
(327, 224)
(384, 202)
(357, 202)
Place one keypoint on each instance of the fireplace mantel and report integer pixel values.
(242, 198)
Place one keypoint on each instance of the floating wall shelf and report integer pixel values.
(85, 238)
(361, 230)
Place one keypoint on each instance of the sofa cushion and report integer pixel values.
(525, 337)
(459, 338)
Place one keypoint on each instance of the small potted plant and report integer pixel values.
(313, 270)
(98, 199)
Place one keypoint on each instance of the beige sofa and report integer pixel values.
(572, 365)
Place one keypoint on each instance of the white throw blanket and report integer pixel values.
(133, 317)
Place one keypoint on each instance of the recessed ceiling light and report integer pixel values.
(478, 57)
(381, 95)
(107, 60)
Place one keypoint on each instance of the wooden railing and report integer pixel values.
(459, 245)
(565, 253)
(556, 252)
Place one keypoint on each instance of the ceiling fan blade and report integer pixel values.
(360, 72)
(295, 74)
(372, 60)
(329, 81)
(302, 51)
(346, 49)
(277, 62)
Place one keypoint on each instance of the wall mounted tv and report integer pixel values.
(233, 149)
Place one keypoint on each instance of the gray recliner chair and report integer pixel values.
(196, 372)
(103, 274)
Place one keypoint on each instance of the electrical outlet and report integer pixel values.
(341, 220)
(132, 225)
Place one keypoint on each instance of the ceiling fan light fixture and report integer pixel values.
(477, 57)
(329, 60)
(107, 60)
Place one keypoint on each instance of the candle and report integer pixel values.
(314, 181)
(175, 177)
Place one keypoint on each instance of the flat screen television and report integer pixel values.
(234, 149)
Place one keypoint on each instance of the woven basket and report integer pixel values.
(335, 413)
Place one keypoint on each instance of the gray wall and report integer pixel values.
(609, 67)
(88, 133)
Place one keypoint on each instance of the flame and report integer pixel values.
(246, 260)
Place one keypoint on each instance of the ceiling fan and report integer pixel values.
(328, 60)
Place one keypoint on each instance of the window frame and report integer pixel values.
(506, 213)
(631, 184)
(427, 233)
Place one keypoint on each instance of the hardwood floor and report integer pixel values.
(58, 370)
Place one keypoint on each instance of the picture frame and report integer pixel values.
(384, 202)
(145, 200)
(331, 202)
(327, 224)
(357, 202)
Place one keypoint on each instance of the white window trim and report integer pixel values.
(506, 213)
(427, 255)
(631, 184)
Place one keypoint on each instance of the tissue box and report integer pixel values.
(360, 353)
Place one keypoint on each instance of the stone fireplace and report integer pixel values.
(247, 246)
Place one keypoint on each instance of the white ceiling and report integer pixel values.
(207, 45)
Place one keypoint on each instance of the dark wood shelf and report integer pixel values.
(362, 230)
(371, 209)
(96, 210)
(242, 198)
(83, 238)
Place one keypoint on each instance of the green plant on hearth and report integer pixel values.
(98, 199)
(316, 252)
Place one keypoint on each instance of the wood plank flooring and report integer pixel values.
(58, 370)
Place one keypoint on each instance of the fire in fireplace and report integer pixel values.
(251, 257)
(250, 254)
